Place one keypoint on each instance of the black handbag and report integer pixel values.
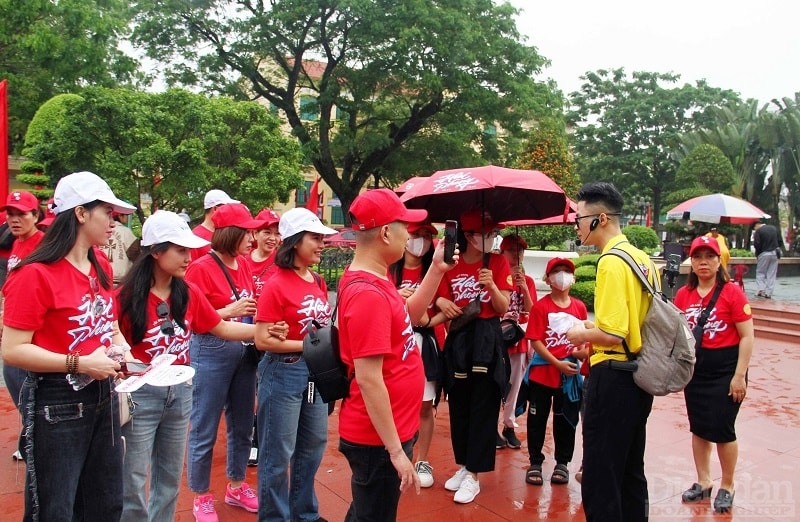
(512, 332)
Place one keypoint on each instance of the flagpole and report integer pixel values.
(3, 139)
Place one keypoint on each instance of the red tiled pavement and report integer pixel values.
(768, 475)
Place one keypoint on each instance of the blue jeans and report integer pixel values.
(292, 433)
(73, 450)
(374, 484)
(14, 378)
(225, 380)
(156, 443)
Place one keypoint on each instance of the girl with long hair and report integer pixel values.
(61, 326)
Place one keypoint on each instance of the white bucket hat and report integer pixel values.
(299, 220)
(81, 188)
(165, 226)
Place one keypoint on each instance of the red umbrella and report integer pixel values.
(408, 184)
(507, 194)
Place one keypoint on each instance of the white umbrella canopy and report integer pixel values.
(717, 208)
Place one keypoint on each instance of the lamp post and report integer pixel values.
(641, 203)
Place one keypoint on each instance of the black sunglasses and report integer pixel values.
(162, 310)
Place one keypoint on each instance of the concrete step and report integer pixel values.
(776, 320)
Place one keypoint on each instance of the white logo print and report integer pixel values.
(314, 308)
(467, 288)
(96, 319)
(457, 181)
(177, 344)
(409, 342)
(712, 326)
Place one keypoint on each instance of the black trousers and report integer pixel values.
(540, 398)
(474, 407)
(614, 486)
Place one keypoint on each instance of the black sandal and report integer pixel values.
(534, 475)
(723, 501)
(560, 475)
(696, 493)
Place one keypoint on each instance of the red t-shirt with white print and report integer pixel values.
(209, 278)
(556, 343)
(200, 317)
(262, 271)
(720, 328)
(373, 320)
(66, 309)
(22, 248)
(288, 297)
(461, 285)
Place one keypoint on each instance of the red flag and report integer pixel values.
(3, 139)
(313, 198)
(649, 222)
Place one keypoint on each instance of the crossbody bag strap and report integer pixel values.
(701, 321)
(225, 271)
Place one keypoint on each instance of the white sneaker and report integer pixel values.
(425, 473)
(454, 482)
(468, 491)
(16, 455)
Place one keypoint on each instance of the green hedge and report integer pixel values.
(585, 273)
(590, 260)
(584, 290)
(740, 252)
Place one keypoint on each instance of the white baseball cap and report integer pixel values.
(81, 188)
(216, 197)
(299, 220)
(165, 226)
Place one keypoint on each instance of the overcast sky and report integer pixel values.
(750, 47)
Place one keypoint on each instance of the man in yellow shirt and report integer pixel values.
(614, 486)
(724, 252)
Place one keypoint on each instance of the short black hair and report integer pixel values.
(603, 193)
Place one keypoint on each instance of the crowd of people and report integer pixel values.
(233, 299)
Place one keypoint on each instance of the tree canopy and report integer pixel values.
(627, 128)
(171, 147)
(47, 48)
(707, 170)
(357, 82)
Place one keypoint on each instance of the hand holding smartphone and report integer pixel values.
(450, 240)
(133, 368)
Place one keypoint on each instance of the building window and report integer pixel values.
(301, 196)
(337, 216)
(309, 109)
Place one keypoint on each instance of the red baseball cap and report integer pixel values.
(423, 225)
(559, 261)
(512, 242)
(478, 221)
(49, 215)
(704, 242)
(235, 215)
(21, 200)
(269, 217)
(378, 207)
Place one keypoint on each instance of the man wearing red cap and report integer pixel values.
(614, 485)
(379, 420)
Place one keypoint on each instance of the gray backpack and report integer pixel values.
(665, 363)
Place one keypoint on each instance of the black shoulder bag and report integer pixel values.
(254, 355)
(697, 331)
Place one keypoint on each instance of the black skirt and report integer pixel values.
(712, 412)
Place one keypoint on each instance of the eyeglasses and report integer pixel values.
(162, 310)
(577, 220)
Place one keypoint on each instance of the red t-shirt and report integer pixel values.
(208, 277)
(412, 278)
(288, 297)
(262, 271)
(373, 320)
(200, 317)
(66, 309)
(557, 344)
(201, 231)
(720, 329)
(22, 248)
(516, 304)
(461, 285)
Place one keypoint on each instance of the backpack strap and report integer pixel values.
(224, 271)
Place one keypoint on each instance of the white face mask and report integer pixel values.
(418, 246)
(562, 280)
(488, 242)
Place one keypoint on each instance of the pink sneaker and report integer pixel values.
(242, 497)
(203, 509)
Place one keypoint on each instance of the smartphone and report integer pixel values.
(450, 240)
(134, 368)
(674, 263)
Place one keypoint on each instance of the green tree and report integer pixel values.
(171, 147)
(706, 168)
(547, 150)
(628, 126)
(50, 47)
(779, 134)
(357, 81)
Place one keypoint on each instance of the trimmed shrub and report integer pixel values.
(585, 273)
(740, 252)
(590, 260)
(642, 237)
(584, 290)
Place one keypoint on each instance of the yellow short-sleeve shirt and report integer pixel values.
(620, 302)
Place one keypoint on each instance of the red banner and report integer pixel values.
(3, 140)
(312, 203)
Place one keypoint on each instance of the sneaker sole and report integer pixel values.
(466, 501)
(235, 503)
